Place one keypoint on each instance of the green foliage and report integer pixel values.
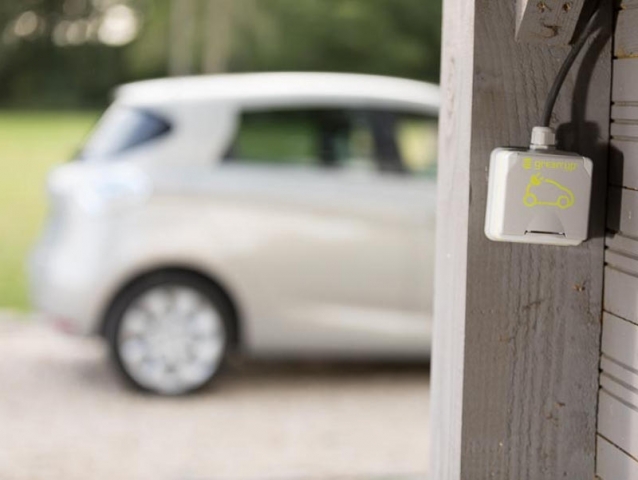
(390, 37)
(31, 143)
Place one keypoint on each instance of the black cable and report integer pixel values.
(590, 28)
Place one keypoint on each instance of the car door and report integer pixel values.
(339, 263)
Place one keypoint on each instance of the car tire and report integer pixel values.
(169, 332)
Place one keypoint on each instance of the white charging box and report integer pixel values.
(538, 196)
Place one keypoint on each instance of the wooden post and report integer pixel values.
(517, 327)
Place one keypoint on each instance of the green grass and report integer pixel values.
(30, 144)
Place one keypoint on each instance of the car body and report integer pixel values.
(287, 192)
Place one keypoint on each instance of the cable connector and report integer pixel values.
(543, 138)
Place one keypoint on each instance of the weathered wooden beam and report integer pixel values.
(551, 22)
(517, 327)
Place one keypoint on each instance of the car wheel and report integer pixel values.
(169, 333)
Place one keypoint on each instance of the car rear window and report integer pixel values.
(121, 129)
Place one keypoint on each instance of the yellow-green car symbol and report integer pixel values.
(564, 200)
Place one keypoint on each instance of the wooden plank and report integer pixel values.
(620, 341)
(618, 371)
(623, 163)
(622, 261)
(624, 130)
(614, 464)
(624, 112)
(626, 393)
(517, 330)
(622, 215)
(455, 121)
(622, 244)
(550, 22)
(618, 422)
(625, 86)
(621, 294)
(626, 36)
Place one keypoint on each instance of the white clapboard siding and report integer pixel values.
(624, 112)
(614, 464)
(624, 130)
(621, 294)
(620, 342)
(617, 371)
(622, 244)
(618, 422)
(625, 87)
(622, 214)
(617, 446)
(618, 405)
(623, 159)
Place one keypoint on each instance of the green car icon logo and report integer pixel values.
(564, 200)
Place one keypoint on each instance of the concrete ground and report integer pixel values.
(64, 414)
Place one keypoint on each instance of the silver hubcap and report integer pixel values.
(171, 339)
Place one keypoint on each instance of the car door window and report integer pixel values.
(417, 142)
(275, 138)
(330, 138)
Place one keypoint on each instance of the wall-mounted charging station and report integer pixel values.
(538, 195)
(541, 194)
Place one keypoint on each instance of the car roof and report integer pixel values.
(258, 88)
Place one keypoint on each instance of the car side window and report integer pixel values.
(341, 138)
(417, 141)
(121, 129)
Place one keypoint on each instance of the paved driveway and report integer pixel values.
(65, 415)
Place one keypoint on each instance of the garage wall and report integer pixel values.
(618, 397)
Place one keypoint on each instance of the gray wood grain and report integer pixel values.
(517, 331)
(620, 294)
(626, 35)
(614, 464)
(551, 22)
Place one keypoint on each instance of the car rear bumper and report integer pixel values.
(63, 290)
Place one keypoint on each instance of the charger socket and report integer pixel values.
(539, 196)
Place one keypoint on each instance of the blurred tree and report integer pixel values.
(218, 29)
(72, 52)
(390, 37)
(182, 37)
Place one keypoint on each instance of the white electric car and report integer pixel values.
(284, 214)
